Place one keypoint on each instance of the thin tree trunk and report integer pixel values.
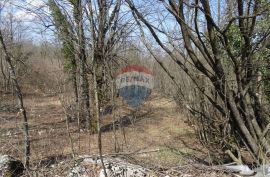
(20, 102)
(116, 148)
(241, 124)
(98, 121)
(219, 14)
(74, 82)
(3, 72)
(68, 130)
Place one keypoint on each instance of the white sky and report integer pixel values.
(23, 11)
(22, 8)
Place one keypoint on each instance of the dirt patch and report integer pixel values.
(156, 136)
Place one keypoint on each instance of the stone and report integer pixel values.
(115, 167)
(263, 170)
(242, 169)
(10, 167)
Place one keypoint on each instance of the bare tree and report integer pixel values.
(209, 49)
(70, 29)
(107, 33)
(66, 35)
(8, 58)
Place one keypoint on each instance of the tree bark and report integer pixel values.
(19, 96)
(97, 108)
(84, 100)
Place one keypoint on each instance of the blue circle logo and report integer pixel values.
(135, 83)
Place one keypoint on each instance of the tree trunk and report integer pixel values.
(207, 48)
(98, 120)
(20, 102)
(81, 57)
(74, 79)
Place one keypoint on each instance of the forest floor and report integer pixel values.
(160, 136)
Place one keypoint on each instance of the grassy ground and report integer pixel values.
(159, 137)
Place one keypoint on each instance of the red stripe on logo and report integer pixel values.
(137, 68)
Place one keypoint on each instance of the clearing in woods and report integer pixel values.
(160, 135)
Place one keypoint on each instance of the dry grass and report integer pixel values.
(160, 131)
(159, 125)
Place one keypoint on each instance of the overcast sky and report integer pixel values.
(25, 11)
(21, 9)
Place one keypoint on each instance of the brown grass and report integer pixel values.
(160, 127)
(160, 133)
